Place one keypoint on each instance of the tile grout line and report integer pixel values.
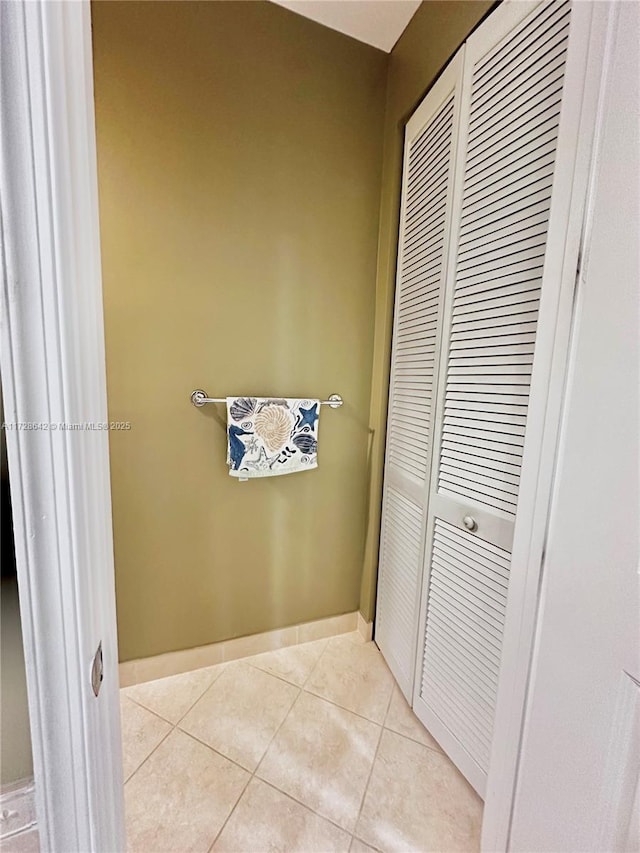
(362, 841)
(273, 737)
(342, 707)
(150, 710)
(206, 690)
(408, 737)
(246, 660)
(298, 687)
(281, 677)
(267, 672)
(253, 773)
(235, 806)
(291, 797)
(155, 713)
(435, 749)
(302, 690)
(228, 817)
(213, 749)
(160, 742)
(144, 760)
(225, 758)
(316, 664)
(272, 674)
(304, 805)
(347, 710)
(241, 657)
(176, 727)
(373, 763)
(386, 713)
(337, 704)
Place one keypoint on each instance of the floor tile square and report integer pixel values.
(180, 798)
(401, 719)
(294, 664)
(142, 731)
(418, 801)
(172, 697)
(240, 713)
(355, 676)
(267, 820)
(322, 756)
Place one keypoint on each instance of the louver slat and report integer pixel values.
(424, 234)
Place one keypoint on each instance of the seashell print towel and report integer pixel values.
(267, 437)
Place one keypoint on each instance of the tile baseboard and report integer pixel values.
(17, 809)
(365, 629)
(173, 663)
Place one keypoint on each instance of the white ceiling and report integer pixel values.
(376, 22)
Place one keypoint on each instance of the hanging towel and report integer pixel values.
(268, 437)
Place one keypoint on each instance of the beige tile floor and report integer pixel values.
(309, 748)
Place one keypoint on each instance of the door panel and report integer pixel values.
(423, 247)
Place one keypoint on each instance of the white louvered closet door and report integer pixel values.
(425, 223)
(512, 94)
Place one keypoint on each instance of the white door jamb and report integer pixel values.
(53, 373)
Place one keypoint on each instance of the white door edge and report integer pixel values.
(53, 373)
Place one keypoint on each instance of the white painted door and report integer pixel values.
(424, 234)
(579, 773)
(505, 197)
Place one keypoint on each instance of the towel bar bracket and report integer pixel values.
(199, 398)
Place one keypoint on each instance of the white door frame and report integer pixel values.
(53, 374)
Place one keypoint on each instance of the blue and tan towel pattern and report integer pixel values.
(269, 436)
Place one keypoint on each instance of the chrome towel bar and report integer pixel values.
(199, 398)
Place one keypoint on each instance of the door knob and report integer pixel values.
(470, 523)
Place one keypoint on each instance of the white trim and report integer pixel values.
(173, 663)
(583, 78)
(53, 371)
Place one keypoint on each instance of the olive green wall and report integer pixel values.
(239, 154)
(431, 38)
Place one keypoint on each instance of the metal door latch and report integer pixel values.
(97, 670)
